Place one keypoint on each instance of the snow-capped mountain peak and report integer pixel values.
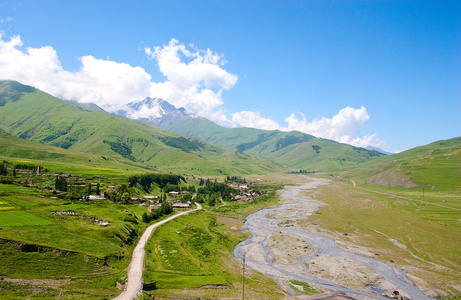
(153, 110)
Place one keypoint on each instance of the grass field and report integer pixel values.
(48, 244)
(21, 218)
(193, 256)
(62, 251)
(420, 235)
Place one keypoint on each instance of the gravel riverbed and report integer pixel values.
(280, 249)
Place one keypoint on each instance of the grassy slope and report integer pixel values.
(435, 166)
(82, 257)
(37, 116)
(75, 254)
(419, 237)
(64, 161)
(417, 227)
(190, 253)
(292, 149)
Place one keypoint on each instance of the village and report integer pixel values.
(174, 191)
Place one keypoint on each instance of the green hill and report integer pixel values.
(296, 150)
(435, 166)
(30, 114)
(62, 160)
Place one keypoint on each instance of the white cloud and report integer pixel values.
(346, 123)
(254, 120)
(196, 85)
(7, 19)
(195, 80)
(103, 82)
(343, 127)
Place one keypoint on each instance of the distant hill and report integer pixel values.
(30, 114)
(62, 160)
(296, 150)
(435, 166)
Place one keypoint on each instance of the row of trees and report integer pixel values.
(145, 181)
(175, 187)
(4, 168)
(236, 179)
(164, 209)
(211, 191)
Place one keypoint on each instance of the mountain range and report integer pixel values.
(295, 150)
(153, 135)
(33, 115)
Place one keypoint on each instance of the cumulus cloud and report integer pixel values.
(254, 120)
(343, 127)
(195, 80)
(106, 83)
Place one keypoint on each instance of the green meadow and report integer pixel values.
(192, 256)
(50, 243)
(418, 234)
(405, 208)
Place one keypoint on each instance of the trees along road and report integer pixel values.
(133, 285)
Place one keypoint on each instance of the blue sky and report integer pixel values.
(380, 73)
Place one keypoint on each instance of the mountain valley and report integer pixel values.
(79, 185)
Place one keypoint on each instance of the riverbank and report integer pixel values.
(284, 250)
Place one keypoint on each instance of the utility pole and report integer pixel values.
(243, 279)
(61, 294)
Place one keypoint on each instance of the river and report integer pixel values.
(265, 223)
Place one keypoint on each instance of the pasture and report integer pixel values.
(421, 235)
(192, 256)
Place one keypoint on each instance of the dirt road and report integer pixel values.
(137, 262)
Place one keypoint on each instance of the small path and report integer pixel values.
(135, 268)
(223, 204)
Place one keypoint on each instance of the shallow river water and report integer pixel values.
(259, 257)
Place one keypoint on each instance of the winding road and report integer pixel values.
(298, 206)
(135, 268)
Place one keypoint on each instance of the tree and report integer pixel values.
(186, 197)
(89, 191)
(166, 208)
(211, 200)
(60, 184)
(3, 169)
(126, 197)
(97, 189)
(145, 218)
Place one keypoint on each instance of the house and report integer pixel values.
(182, 205)
(243, 198)
(153, 207)
(96, 197)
